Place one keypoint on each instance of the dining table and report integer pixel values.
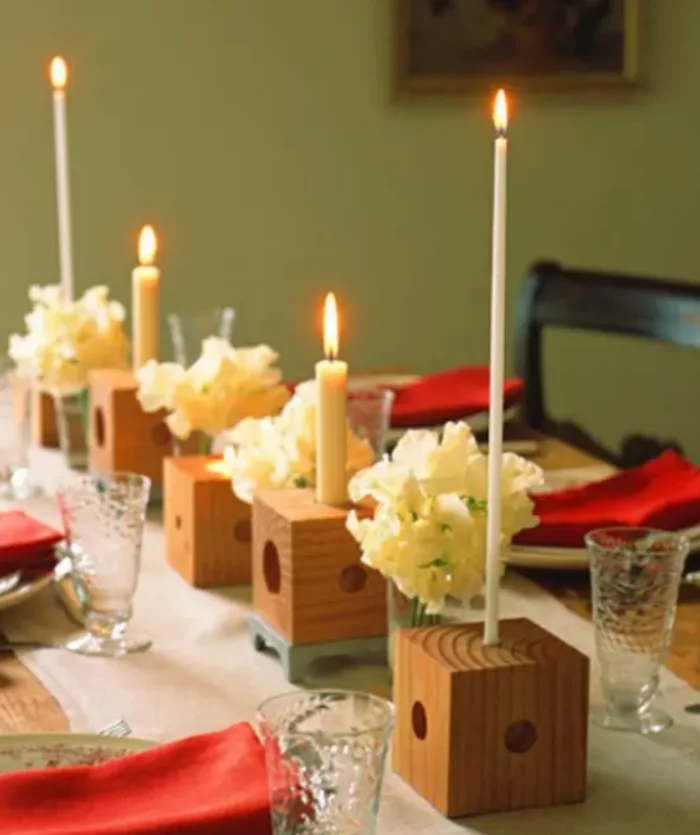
(203, 672)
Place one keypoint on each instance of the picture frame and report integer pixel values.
(454, 48)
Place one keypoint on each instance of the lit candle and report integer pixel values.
(145, 280)
(331, 415)
(59, 77)
(498, 282)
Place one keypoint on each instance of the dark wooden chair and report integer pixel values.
(551, 295)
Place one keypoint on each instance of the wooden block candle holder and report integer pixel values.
(312, 596)
(27, 400)
(44, 425)
(207, 528)
(490, 729)
(122, 437)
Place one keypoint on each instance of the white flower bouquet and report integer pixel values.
(66, 339)
(428, 533)
(224, 386)
(280, 453)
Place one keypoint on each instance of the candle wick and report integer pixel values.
(501, 133)
(331, 356)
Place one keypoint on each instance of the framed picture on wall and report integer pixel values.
(457, 46)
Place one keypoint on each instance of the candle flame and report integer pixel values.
(330, 327)
(500, 113)
(148, 246)
(59, 73)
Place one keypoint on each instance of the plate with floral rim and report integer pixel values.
(23, 589)
(571, 559)
(28, 752)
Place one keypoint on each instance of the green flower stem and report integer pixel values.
(419, 614)
(84, 404)
(204, 444)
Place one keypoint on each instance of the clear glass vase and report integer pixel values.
(405, 612)
(71, 420)
(15, 415)
(196, 444)
(189, 330)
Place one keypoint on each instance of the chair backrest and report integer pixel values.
(552, 295)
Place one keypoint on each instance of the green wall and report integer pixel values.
(260, 138)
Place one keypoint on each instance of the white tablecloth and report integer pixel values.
(202, 673)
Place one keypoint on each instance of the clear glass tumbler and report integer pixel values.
(15, 421)
(189, 330)
(369, 413)
(325, 753)
(635, 576)
(104, 519)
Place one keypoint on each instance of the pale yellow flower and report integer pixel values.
(428, 534)
(66, 339)
(281, 453)
(224, 386)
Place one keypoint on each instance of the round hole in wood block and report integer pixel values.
(178, 522)
(353, 578)
(242, 531)
(160, 434)
(271, 568)
(520, 736)
(99, 426)
(419, 720)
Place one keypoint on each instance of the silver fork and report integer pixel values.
(118, 729)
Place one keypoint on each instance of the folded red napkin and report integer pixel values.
(214, 784)
(25, 543)
(664, 493)
(448, 395)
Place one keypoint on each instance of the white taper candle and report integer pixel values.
(331, 415)
(59, 77)
(145, 293)
(498, 287)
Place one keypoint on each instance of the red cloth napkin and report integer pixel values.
(664, 493)
(448, 395)
(26, 543)
(214, 784)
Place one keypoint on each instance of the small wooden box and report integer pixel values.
(207, 528)
(44, 422)
(121, 436)
(308, 582)
(490, 729)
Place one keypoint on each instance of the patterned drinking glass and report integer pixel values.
(635, 576)
(369, 414)
(325, 753)
(104, 518)
(189, 330)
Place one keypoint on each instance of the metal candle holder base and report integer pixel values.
(296, 659)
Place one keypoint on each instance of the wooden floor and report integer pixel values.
(26, 706)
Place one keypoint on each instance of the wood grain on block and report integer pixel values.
(490, 729)
(122, 436)
(44, 425)
(308, 581)
(207, 528)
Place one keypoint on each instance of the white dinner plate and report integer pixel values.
(26, 752)
(570, 559)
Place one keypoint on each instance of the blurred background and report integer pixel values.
(262, 141)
